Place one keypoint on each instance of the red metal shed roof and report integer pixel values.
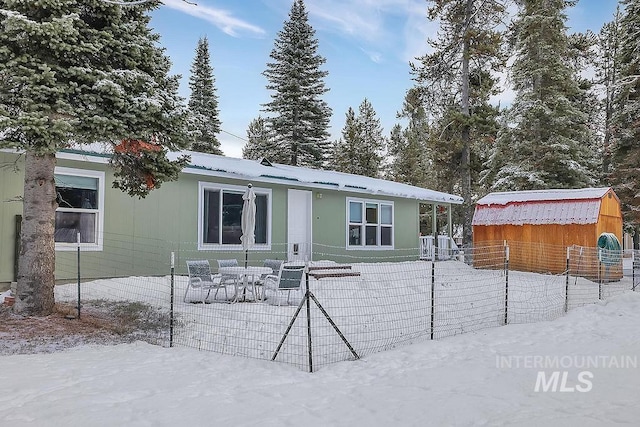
(538, 207)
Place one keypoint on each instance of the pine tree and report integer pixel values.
(400, 166)
(456, 79)
(625, 120)
(372, 141)
(546, 142)
(203, 102)
(408, 148)
(259, 141)
(361, 147)
(607, 71)
(299, 117)
(582, 56)
(345, 151)
(81, 71)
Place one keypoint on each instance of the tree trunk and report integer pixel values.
(36, 265)
(610, 69)
(465, 160)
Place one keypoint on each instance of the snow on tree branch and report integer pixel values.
(137, 2)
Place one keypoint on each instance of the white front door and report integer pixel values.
(299, 225)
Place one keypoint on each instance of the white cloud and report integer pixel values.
(354, 18)
(221, 18)
(398, 28)
(374, 56)
(417, 30)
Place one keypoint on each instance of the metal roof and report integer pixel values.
(506, 197)
(537, 213)
(580, 206)
(316, 178)
(264, 171)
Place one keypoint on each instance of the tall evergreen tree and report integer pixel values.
(203, 103)
(582, 56)
(625, 175)
(299, 117)
(345, 150)
(372, 141)
(607, 73)
(546, 141)
(81, 71)
(259, 141)
(408, 148)
(400, 166)
(361, 147)
(467, 48)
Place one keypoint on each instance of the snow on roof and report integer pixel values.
(542, 196)
(538, 213)
(317, 178)
(580, 206)
(264, 171)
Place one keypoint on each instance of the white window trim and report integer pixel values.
(202, 186)
(98, 245)
(377, 247)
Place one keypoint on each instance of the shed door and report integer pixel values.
(299, 225)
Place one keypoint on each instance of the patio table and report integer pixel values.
(330, 267)
(243, 276)
(339, 272)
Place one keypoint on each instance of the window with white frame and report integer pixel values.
(370, 224)
(80, 198)
(220, 224)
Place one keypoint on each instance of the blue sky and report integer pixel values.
(368, 45)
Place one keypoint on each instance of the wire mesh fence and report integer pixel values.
(346, 306)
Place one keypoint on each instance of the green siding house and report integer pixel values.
(301, 214)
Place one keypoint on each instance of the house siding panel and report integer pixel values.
(139, 234)
(10, 206)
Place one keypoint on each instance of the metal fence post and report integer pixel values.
(633, 270)
(433, 293)
(78, 241)
(599, 273)
(309, 344)
(173, 270)
(566, 284)
(506, 284)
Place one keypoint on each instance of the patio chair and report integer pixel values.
(288, 279)
(274, 265)
(200, 278)
(226, 278)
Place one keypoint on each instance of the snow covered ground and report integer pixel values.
(388, 305)
(461, 380)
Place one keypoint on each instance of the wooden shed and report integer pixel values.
(540, 224)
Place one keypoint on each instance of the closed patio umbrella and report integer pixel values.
(248, 223)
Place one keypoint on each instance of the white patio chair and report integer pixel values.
(288, 279)
(274, 265)
(200, 278)
(227, 278)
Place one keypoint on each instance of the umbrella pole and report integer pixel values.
(246, 258)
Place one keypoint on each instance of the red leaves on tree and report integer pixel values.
(136, 146)
(138, 149)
